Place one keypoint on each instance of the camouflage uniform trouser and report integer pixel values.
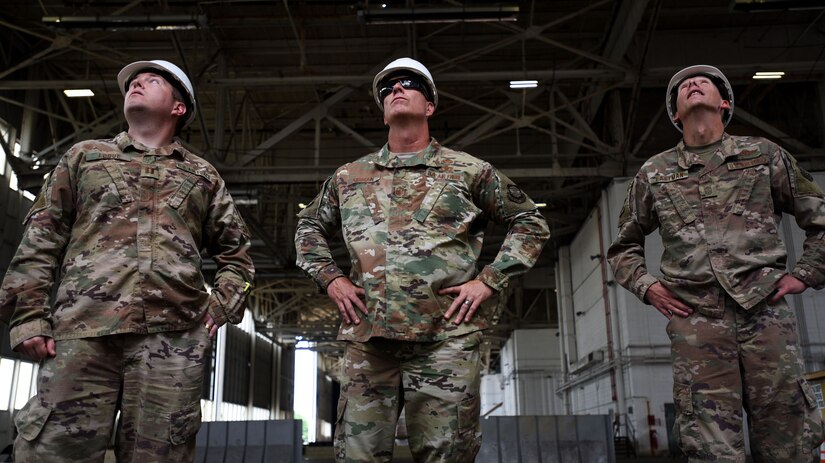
(437, 382)
(154, 381)
(751, 359)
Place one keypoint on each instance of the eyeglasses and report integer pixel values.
(385, 87)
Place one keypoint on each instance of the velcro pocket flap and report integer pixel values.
(429, 201)
(680, 204)
(31, 419)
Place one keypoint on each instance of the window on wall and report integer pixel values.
(24, 385)
(6, 371)
(21, 384)
(5, 130)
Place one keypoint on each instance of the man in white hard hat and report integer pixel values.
(717, 201)
(128, 328)
(414, 304)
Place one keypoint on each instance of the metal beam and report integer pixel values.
(781, 137)
(326, 80)
(317, 111)
(352, 133)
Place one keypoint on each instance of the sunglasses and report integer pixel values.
(385, 87)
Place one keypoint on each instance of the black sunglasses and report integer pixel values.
(408, 83)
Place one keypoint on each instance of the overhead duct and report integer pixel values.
(438, 15)
(128, 23)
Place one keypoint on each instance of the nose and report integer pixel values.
(397, 87)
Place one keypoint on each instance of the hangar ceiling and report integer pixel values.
(284, 98)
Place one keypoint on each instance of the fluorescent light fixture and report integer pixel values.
(524, 83)
(386, 15)
(123, 23)
(769, 75)
(302, 206)
(78, 92)
(246, 201)
(762, 6)
(541, 205)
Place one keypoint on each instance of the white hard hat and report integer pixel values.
(125, 76)
(716, 77)
(404, 64)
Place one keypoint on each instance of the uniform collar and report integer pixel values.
(126, 143)
(426, 157)
(686, 158)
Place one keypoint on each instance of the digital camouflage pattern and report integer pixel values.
(131, 221)
(72, 416)
(719, 222)
(413, 226)
(441, 382)
(708, 387)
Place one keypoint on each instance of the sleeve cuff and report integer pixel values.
(492, 278)
(642, 284)
(809, 276)
(328, 274)
(28, 330)
(216, 311)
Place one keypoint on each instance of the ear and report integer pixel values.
(179, 109)
(430, 109)
(725, 104)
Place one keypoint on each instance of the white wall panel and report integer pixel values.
(530, 372)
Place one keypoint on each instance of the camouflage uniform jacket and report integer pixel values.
(413, 226)
(124, 224)
(719, 223)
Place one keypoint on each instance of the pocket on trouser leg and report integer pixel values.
(340, 440)
(708, 423)
(168, 437)
(31, 419)
(685, 429)
(468, 432)
(813, 432)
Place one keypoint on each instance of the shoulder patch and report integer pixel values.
(802, 182)
(515, 194)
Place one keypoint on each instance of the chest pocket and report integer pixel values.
(750, 169)
(103, 180)
(448, 206)
(190, 181)
(673, 209)
(359, 204)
